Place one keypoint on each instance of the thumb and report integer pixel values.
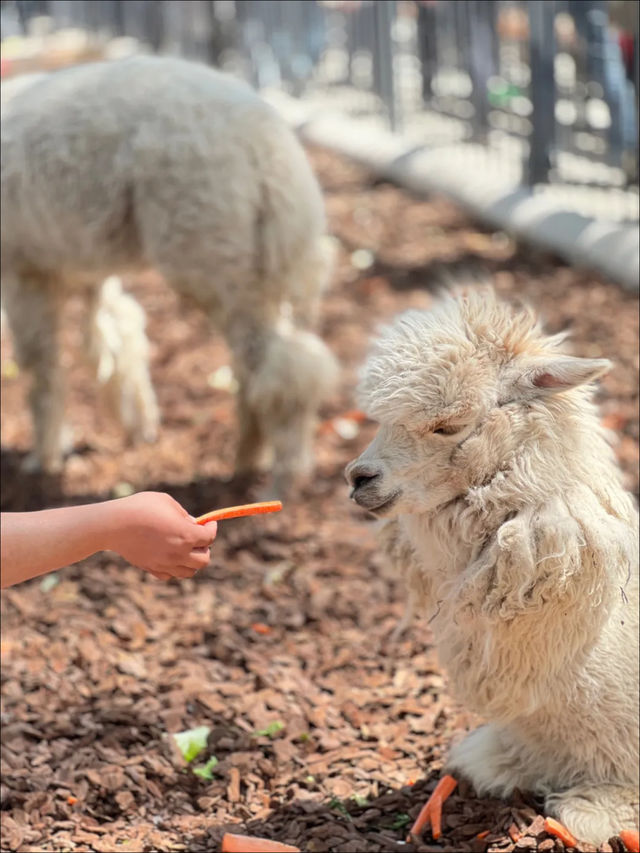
(207, 533)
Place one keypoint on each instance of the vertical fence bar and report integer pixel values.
(542, 52)
(385, 11)
(482, 59)
(636, 84)
(427, 46)
(610, 73)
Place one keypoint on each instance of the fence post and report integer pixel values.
(427, 45)
(543, 96)
(385, 11)
(482, 60)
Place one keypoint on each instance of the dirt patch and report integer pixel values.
(292, 623)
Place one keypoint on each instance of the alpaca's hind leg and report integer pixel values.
(492, 761)
(594, 813)
(286, 382)
(273, 435)
(33, 307)
(118, 347)
(252, 452)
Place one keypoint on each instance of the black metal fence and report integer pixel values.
(552, 82)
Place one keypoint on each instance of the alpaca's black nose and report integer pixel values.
(363, 479)
(359, 475)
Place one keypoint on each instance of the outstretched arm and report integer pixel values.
(150, 530)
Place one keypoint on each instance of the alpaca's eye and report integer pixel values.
(446, 430)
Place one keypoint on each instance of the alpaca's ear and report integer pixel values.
(559, 373)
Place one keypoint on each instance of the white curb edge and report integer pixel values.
(610, 248)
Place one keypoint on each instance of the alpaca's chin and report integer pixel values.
(377, 506)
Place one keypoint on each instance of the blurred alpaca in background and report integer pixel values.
(112, 168)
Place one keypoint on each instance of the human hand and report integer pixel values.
(155, 533)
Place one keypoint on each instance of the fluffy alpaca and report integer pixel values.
(115, 167)
(502, 500)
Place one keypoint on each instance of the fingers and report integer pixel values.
(197, 559)
(187, 567)
(162, 576)
(180, 572)
(178, 564)
(185, 571)
(204, 534)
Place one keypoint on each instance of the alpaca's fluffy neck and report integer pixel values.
(564, 473)
(565, 452)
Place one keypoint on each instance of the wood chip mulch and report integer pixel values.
(292, 624)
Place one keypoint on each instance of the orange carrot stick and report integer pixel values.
(431, 812)
(483, 834)
(238, 511)
(559, 831)
(436, 816)
(421, 822)
(631, 840)
(246, 844)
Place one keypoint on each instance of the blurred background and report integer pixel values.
(326, 731)
(550, 87)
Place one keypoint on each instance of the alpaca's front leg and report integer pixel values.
(403, 560)
(595, 813)
(490, 759)
(252, 453)
(493, 761)
(33, 308)
(47, 408)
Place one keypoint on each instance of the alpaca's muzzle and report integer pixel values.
(365, 481)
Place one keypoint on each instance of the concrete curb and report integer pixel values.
(610, 248)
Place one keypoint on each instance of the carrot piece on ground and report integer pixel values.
(631, 840)
(431, 812)
(436, 816)
(421, 822)
(261, 628)
(247, 844)
(514, 833)
(354, 415)
(559, 831)
(238, 511)
(483, 834)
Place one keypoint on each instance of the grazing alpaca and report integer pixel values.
(502, 500)
(115, 167)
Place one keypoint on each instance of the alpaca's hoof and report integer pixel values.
(51, 460)
(143, 431)
(268, 493)
(254, 462)
(285, 486)
(148, 434)
(33, 464)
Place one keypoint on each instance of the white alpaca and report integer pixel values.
(502, 500)
(115, 167)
